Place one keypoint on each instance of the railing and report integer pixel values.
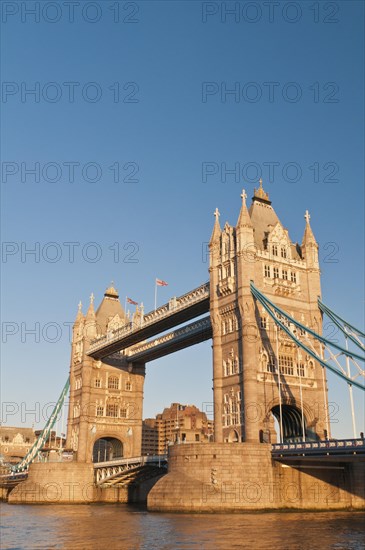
(9, 480)
(173, 306)
(133, 460)
(319, 447)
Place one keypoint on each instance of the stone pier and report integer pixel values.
(72, 483)
(222, 477)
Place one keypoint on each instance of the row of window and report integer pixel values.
(231, 419)
(287, 366)
(112, 410)
(284, 273)
(231, 366)
(229, 325)
(113, 383)
(227, 398)
(275, 251)
(232, 411)
(5, 439)
(264, 323)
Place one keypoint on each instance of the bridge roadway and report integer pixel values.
(331, 454)
(122, 471)
(176, 312)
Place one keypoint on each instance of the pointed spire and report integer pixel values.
(79, 311)
(217, 228)
(308, 236)
(91, 311)
(79, 317)
(244, 219)
(90, 321)
(309, 244)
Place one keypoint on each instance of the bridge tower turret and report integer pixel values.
(105, 406)
(259, 375)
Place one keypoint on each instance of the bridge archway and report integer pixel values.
(291, 422)
(107, 448)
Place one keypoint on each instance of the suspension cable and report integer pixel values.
(261, 299)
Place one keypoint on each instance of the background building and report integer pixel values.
(15, 442)
(176, 424)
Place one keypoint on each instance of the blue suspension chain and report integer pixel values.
(44, 435)
(262, 299)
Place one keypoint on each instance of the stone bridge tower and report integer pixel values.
(259, 372)
(105, 408)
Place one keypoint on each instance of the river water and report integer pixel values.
(123, 527)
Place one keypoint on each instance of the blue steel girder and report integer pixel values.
(186, 336)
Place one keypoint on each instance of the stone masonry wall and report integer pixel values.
(241, 476)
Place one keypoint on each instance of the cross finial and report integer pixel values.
(307, 216)
(92, 298)
(243, 196)
(217, 214)
(260, 182)
(80, 305)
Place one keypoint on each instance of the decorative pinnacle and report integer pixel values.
(307, 216)
(216, 214)
(243, 196)
(80, 306)
(260, 193)
(92, 298)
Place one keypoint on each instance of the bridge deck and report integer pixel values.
(189, 335)
(344, 450)
(122, 471)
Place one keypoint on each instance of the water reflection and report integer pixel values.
(122, 527)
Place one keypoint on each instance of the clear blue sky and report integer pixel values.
(166, 123)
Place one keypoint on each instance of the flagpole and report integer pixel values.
(155, 294)
(125, 305)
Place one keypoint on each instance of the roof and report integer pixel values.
(262, 216)
(13, 431)
(109, 308)
(264, 219)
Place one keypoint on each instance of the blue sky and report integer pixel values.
(149, 98)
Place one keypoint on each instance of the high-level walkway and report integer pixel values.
(176, 312)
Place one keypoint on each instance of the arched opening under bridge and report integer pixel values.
(107, 448)
(293, 424)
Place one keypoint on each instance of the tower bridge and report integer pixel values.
(265, 316)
